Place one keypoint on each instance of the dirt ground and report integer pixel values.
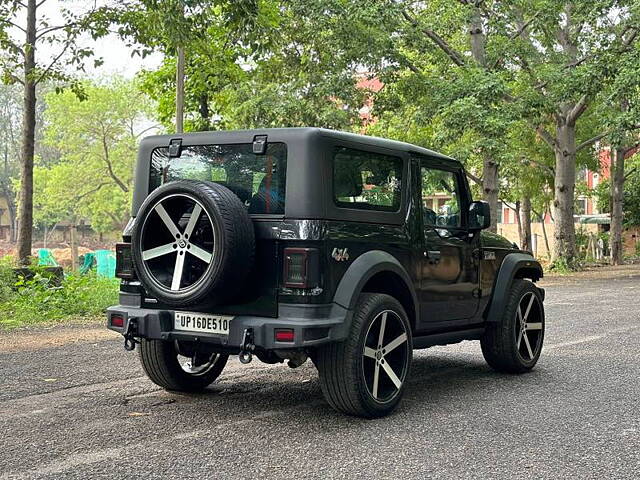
(603, 272)
(61, 251)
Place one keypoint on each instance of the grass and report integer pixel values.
(38, 301)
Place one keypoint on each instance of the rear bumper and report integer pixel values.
(312, 325)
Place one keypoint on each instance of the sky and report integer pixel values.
(116, 55)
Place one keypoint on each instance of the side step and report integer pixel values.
(447, 338)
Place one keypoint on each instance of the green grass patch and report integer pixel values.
(39, 301)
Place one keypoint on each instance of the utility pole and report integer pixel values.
(180, 91)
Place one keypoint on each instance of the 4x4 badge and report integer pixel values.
(489, 255)
(340, 254)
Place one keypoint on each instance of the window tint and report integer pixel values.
(365, 180)
(257, 180)
(440, 198)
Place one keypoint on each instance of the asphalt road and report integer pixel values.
(85, 410)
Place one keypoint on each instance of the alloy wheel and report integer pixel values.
(177, 242)
(529, 327)
(385, 356)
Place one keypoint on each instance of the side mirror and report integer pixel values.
(479, 215)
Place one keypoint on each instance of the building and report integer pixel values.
(5, 223)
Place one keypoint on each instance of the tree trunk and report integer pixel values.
(490, 190)
(73, 230)
(204, 112)
(25, 225)
(544, 234)
(565, 180)
(617, 198)
(525, 222)
(180, 91)
(518, 222)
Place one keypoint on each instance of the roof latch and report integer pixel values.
(175, 147)
(260, 144)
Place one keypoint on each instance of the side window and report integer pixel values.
(366, 180)
(440, 198)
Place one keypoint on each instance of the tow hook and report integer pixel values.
(129, 340)
(246, 347)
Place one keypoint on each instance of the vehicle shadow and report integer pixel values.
(435, 380)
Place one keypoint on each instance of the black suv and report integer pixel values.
(299, 243)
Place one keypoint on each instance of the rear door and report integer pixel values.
(448, 274)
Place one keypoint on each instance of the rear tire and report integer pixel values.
(514, 344)
(161, 364)
(354, 373)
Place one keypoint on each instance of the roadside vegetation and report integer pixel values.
(43, 299)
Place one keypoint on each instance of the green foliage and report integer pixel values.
(631, 202)
(97, 139)
(562, 266)
(38, 300)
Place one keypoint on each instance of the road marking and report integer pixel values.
(592, 338)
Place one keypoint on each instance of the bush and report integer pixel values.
(38, 300)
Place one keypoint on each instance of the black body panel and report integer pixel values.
(448, 274)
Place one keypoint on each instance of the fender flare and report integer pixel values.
(512, 264)
(362, 269)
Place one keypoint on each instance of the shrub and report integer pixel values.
(38, 300)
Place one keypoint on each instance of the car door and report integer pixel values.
(449, 272)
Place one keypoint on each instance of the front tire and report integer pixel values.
(514, 343)
(167, 367)
(365, 375)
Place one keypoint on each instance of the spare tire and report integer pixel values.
(192, 242)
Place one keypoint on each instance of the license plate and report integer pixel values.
(202, 322)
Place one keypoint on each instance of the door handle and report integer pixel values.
(433, 256)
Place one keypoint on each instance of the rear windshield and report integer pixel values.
(257, 180)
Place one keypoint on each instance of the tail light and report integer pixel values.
(301, 267)
(124, 263)
(117, 321)
(284, 335)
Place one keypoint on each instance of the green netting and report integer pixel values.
(89, 260)
(106, 261)
(45, 258)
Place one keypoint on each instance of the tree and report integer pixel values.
(191, 34)
(548, 60)
(570, 53)
(20, 65)
(9, 150)
(97, 138)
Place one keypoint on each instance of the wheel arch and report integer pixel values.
(377, 272)
(514, 266)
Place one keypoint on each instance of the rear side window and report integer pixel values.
(257, 180)
(366, 180)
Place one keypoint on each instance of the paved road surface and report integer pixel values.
(85, 410)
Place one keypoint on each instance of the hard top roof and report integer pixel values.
(292, 134)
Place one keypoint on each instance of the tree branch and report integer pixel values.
(523, 27)
(112, 174)
(15, 25)
(591, 141)
(437, 39)
(549, 169)
(46, 71)
(44, 31)
(577, 110)
(630, 172)
(546, 136)
(475, 179)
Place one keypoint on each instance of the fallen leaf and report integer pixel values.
(138, 414)
(50, 379)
